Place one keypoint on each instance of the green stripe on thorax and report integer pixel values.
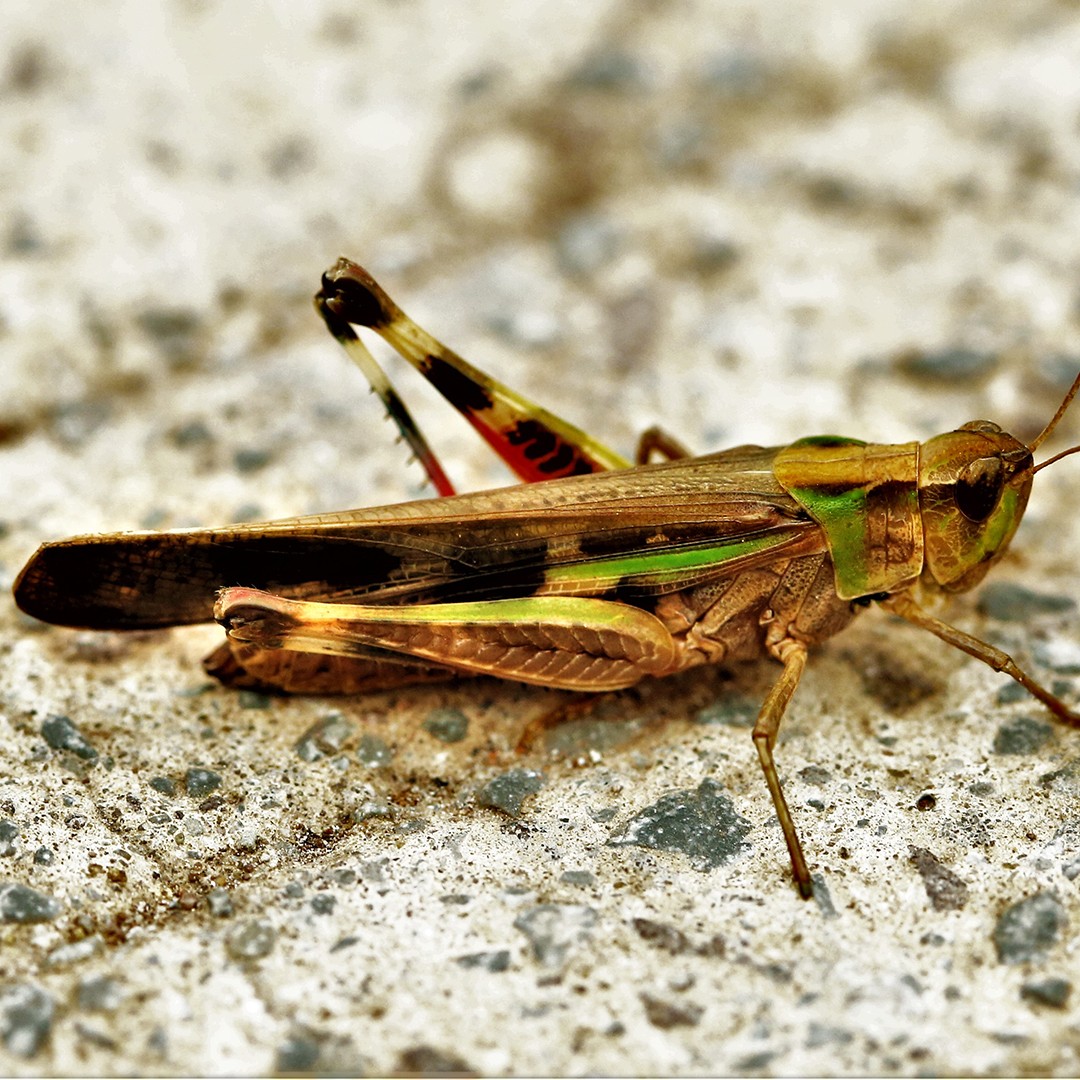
(865, 497)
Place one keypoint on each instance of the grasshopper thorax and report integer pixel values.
(973, 487)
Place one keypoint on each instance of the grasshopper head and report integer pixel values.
(973, 487)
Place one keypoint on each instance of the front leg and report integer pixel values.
(901, 604)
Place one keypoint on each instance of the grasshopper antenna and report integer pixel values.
(1046, 431)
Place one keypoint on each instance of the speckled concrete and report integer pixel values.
(747, 221)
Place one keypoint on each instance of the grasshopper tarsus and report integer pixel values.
(353, 296)
(655, 440)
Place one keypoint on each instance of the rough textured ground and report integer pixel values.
(748, 221)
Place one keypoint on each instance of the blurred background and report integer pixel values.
(721, 217)
(748, 221)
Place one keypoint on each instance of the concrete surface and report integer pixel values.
(748, 221)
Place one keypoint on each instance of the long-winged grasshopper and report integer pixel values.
(593, 575)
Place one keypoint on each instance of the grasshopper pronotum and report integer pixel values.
(593, 577)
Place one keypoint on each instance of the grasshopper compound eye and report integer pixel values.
(978, 488)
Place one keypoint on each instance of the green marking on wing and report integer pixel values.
(658, 568)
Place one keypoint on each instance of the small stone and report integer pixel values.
(703, 824)
(1050, 991)
(668, 938)
(219, 902)
(9, 832)
(62, 734)
(1022, 735)
(21, 904)
(583, 878)
(44, 856)
(74, 952)
(251, 940)
(815, 774)
(323, 903)
(200, 782)
(425, 1060)
(554, 929)
(192, 433)
(99, 994)
(374, 752)
(496, 961)
(665, 1015)
(509, 790)
(447, 725)
(1029, 928)
(299, 1053)
(164, 785)
(26, 1016)
(325, 736)
(1011, 693)
(945, 890)
(1009, 602)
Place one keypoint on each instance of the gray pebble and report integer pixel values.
(9, 832)
(251, 940)
(554, 929)
(509, 790)
(323, 903)
(21, 904)
(1029, 929)
(26, 1016)
(164, 785)
(99, 994)
(945, 890)
(62, 734)
(374, 751)
(702, 823)
(44, 856)
(1022, 735)
(1009, 602)
(577, 877)
(1051, 991)
(325, 736)
(200, 782)
(220, 903)
(297, 1054)
(447, 725)
(610, 68)
(252, 699)
(496, 961)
